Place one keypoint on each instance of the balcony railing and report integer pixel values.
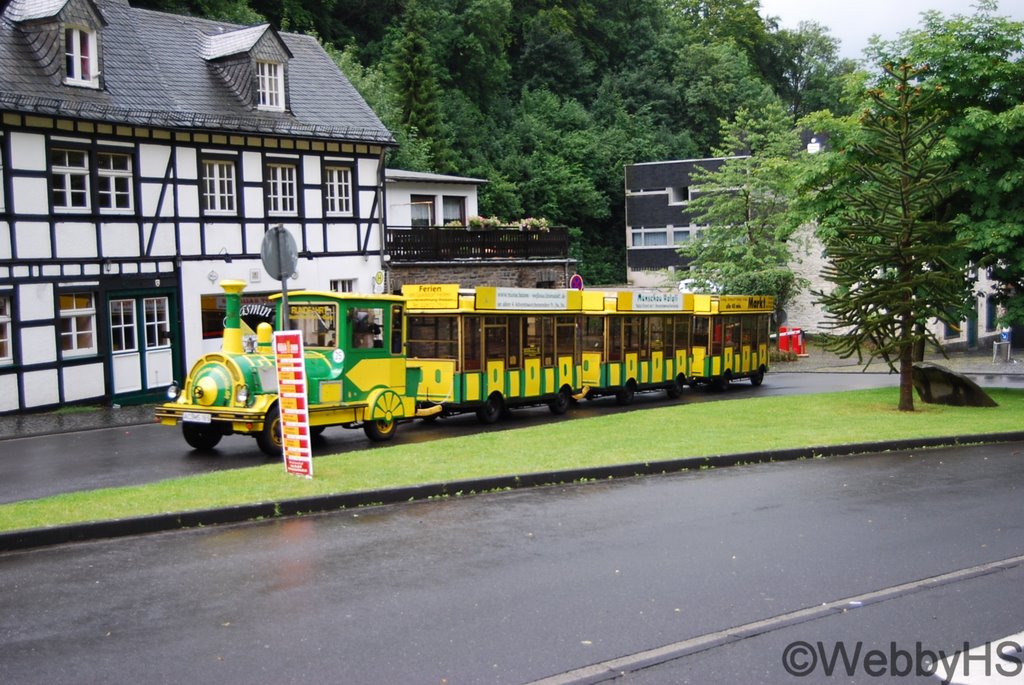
(408, 244)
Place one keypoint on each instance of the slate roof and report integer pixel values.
(395, 175)
(155, 74)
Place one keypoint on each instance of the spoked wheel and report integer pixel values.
(490, 410)
(269, 439)
(200, 436)
(380, 430)
(560, 404)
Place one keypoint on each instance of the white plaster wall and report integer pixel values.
(807, 261)
(75, 239)
(35, 301)
(41, 388)
(38, 345)
(5, 241)
(186, 164)
(120, 240)
(30, 196)
(153, 160)
(8, 392)
(28, 151)
(82, 382)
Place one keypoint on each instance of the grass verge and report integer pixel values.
(672, 431)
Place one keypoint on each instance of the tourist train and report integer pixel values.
(375, 361)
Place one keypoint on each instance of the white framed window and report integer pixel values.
(343, 285)
(338, 190)
(114, 181)
(157, 322)
(270, 85)
(77, 324)
(453, 209)
(123, 337)
(69, 175)
(6, 352)
(219, 186)
(421, 210)
(81, 58)
(649, 237)
(281, 189)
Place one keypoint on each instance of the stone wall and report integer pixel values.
(533, 274)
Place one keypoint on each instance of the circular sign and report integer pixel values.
(576, 282)
(279, 252)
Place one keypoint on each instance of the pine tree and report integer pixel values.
(893, 259)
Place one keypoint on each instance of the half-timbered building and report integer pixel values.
(143, 157)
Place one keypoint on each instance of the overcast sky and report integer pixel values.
(853, 22)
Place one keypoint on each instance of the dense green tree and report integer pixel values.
(744, 247)
(414, 74)
(806, 71)
(893, 259)
(978, 61)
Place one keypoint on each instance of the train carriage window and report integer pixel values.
(682, 337)
(515, 352)
(367, 330)
(531, 348)
(433, 337)
(318, 322)
(471, 343)
(631, 327)
(700, 332)
(614, 339)
(565, 337)
(547, 325)
(716, 336)
(496, 338)
(593, 333)
(657, 333)
(396, 328)
(732, 333)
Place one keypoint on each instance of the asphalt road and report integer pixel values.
(51, 464)
(525, 585)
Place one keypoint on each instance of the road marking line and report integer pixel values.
(615, 668)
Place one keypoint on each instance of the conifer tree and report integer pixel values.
(894, 260)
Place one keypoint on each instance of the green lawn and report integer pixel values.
(661, 432)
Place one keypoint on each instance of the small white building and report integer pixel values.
(143, 157)
(421, 200)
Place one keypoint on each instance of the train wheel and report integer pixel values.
(675, 389)
(757, 378)
(561, 403)
(269, 439)
(490, 410)
(380, 430)
(201, 437)
(625, 395)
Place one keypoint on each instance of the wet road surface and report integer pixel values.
(519, 586)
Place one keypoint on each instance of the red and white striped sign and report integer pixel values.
(291, 393)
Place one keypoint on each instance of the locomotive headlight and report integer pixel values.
(173, 391)
(242, 394)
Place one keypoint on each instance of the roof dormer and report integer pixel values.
(64, 36)
(253, 62)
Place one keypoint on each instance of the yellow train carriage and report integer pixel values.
(730, 338)
(490, 348)
(635, 341)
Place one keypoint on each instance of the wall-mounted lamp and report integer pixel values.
(108, 266)
(227, 257)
